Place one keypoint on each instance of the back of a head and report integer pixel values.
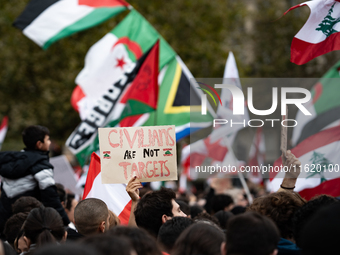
(32, 134)
(64, 249)
(321, 233)
(303, 214)
(220, 202)
(280, 207)
(195, 210)
(25, 204)
(171, 230)
(13, 226)
(61, 192)
(142, 242)
(223, 218)
(44, 225)
(114, 220)
(108, 245)
(251, 234)
(199, 238)
(89, 214)
(151, 207)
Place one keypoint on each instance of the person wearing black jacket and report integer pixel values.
(29, 173)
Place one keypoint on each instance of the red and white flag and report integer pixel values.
(114, 195)
(320, 165)
(3, 130)
(320, 34)
(257, 154)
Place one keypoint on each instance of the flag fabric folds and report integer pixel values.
(109, 62)
(320, 161)
(324, 107)
(137, 92)
(3, 130)
(257, 155)
(47, 21)
(114, 195)
(320, 34)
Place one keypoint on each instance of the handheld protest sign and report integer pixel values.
(283, 146)
(146, 152)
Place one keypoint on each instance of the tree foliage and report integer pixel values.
(36, 85)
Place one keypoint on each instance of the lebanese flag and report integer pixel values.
(257, 154)
(320, 33)
(45, 22)
(3, 130)
(323, 151)
(114, 195)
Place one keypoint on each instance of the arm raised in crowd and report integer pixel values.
(294, 166)
(133, 190)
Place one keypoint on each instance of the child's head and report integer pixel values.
(36, 137)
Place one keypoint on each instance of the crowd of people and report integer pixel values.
(38, 216)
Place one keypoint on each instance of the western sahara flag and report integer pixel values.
(140, 97)
(324, 107)
(320, 34)
(114, 195)
(47, 21)
(3, 130)
(320, 155)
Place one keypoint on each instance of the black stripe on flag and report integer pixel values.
(31, 12)
(320, 122)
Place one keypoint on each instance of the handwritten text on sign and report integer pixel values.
(146, 152)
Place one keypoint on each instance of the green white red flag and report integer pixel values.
(320, 34)
(137, 92)
(45, 22)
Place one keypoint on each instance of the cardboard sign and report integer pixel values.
(146, 152)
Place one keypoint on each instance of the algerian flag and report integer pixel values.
(3, 130)
(110, 61)
(45, 22)
(320, 165)
(324, 107)
(139, 97)
(320, 34)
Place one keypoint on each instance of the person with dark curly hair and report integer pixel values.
(153, 209)
(280, 207)
(303, 214)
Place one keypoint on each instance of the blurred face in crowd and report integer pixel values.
(45, 146)
(176, 210)
(70, 213)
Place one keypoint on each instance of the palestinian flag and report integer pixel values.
(114, 195)
(320, 34)
(320, 165)
(113, 57)
(3, 130)
(324, 107)
(47, 21)
(138, 98)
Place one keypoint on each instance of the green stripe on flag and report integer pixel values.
(94, 18)
(139, 30)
